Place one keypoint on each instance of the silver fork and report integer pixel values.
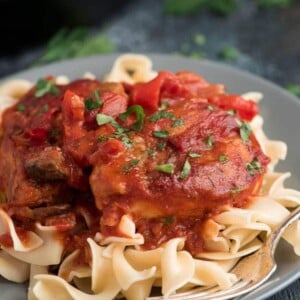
(252, 270)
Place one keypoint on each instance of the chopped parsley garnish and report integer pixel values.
(105, 119)
(20, 107)
(120, 133)
(90, 104)
(166, 115)
(254, 166)
(140, 115)
(164, 105)
(185, 170)
(162, 115)
(168, 220)
(209, 141)
(134, 162)
(131, 164)
(44, 87)
(161, 146)
(178, 122)
(194, 155)
(223, 159)
(165, 168)
(103, 138)
(229, 53)
(245, 131)
(151, 152)
(44, 109)
(126, 141)
(161, 133)
(235, 190)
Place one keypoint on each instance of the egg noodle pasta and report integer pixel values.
(118, 264)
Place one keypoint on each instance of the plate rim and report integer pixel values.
(289, 277)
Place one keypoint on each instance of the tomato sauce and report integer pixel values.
(169, 153)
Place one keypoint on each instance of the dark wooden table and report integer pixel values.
(268, 41)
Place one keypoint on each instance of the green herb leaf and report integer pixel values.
(140, 115)
(105, 119)
(161, 115)
(165, 168)
(161, 146)
(103, 138)
(254, 166)
(161, 133)
(90, 104)
(231, 112)
(126, 141)
(168, 220)
(98, 44)
(178, 122)
(194, 155)
(209, 141)
(235, 190)
(186, 170)
(223, 159)
(132, 163)
(20, 107)
(164, 105)
(44, 87)
(245, 131)
(44, 109)
(294, 89)
(151, 152)
(229, 53)
(74, 43)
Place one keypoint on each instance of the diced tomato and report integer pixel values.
(147, 94)
(73, 105)
(73, 114)
(191, 80)
(107, 151)
(246, 109)
(36, 134)
(114, 104)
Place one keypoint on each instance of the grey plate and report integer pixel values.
(280, 110)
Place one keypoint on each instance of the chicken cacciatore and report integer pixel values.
(169, 153)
